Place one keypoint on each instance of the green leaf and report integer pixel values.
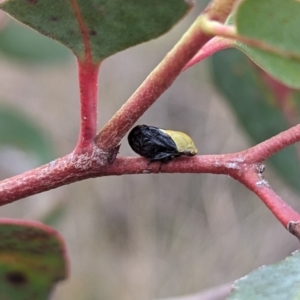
(21, 132)
(255, 108)
(105, 26)
(32, 260)
(280, 281)
(21, 42)
(277, 23)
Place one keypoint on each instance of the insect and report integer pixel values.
(159, 144)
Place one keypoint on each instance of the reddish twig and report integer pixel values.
(88, 84)
(252, 178)
(228, 31)
(88, 159)
(155, 84)
(244, 166)
(162, 77)
(264, 150)
(94, 159)
(214, 45)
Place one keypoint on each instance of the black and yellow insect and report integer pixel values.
(159, 144)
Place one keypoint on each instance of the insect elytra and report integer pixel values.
(159, 144)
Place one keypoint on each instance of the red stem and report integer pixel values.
(155, 84)
(276, 143)
(88, 82)
(214, 45)
(91, 159)
(162, 77)
(74, 168)
(242, 166)
(254, 181)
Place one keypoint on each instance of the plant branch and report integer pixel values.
(72, 168)
(230, 32)
(264, 150)
(97, 159)
(88, 83)
(161, 78)
(87, 155)
(214, 45)
(252, 178)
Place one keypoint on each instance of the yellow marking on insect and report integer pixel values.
(184, 143)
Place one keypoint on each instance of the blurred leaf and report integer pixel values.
(21, 42)
(255, 108)
(21, 132)
(107, 26)
(277, 23)
(280, 281)
(32, 260)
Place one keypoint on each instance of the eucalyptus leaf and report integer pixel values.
(279, 281)
(32, 260)
(276, 23)
(103, 26)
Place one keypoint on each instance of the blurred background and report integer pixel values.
(135, 236)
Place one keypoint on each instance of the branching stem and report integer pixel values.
(244, 166)
(94, 155)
